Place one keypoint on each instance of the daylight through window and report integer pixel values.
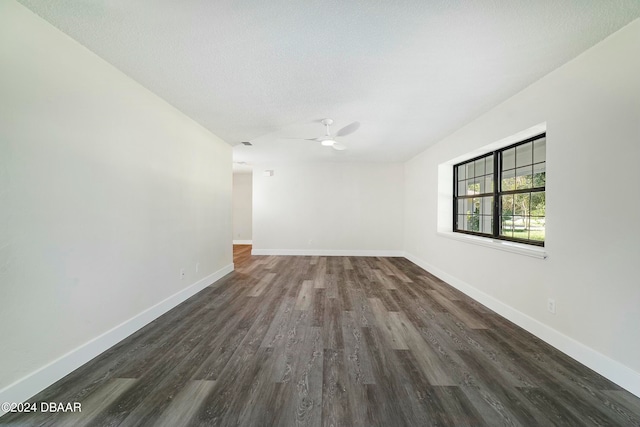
(501, 194)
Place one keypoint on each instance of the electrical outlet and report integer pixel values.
(181, 273)
(197, 267)
(551, 305)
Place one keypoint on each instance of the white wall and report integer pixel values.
(592, 110)
(242, 207)
(106, 192)
(328, 208)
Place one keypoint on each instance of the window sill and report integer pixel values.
(517, 248)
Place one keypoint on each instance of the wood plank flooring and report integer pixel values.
(333, 341)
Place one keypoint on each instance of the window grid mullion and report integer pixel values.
(523, 190)
(497, 183)
(455, 198)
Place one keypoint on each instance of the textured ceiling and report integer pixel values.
(410, 72)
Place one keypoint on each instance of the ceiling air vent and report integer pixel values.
(246, 143)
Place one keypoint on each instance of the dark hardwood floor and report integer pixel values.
(335, 341)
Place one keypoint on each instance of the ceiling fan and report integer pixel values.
(329, 141)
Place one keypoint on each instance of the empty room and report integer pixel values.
(242, 213)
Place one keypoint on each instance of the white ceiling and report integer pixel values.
(410, 72)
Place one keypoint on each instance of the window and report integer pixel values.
(501, 194)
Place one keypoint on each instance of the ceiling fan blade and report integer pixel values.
(348, 129)
(339, 147)
(301, 139)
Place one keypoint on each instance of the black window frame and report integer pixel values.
(496, 193)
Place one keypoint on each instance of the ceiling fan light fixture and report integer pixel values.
(328, 142)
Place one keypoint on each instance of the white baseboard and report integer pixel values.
(620, 374)
(37, 381)
(243, 242)
(326, 252)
